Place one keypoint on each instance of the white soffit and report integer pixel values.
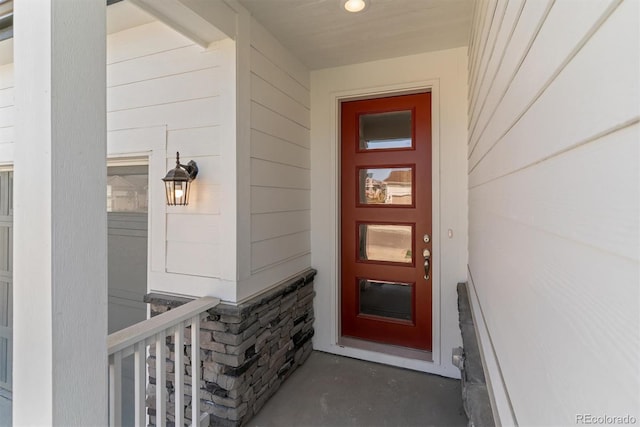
(322, 34)
(124, 15)
(202, 21)
(120, 16)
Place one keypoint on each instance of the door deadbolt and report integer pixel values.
(426, 238)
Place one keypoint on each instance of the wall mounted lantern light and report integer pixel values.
(178, 182)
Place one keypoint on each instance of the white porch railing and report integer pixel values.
(134, 340)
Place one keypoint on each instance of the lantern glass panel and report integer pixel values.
(177, 193)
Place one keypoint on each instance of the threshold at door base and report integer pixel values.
(408, 353)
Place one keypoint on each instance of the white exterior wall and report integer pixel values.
(241, 110)
(554, 206)
(445, 74)
(167, 94)
(276, 146)
(243, 232)
(6, 113)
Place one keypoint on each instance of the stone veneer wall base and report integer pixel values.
(247, 351)
(475, 395)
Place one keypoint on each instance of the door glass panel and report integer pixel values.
(127, 188)
(386, 299)
(391, 130)
(382, 242)
(385, 186)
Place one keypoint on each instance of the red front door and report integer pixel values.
(386, 220)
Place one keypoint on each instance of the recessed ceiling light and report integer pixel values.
(354, 5)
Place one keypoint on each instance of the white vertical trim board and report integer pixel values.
(60, 218)
(554, 201)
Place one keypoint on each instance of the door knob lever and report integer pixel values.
(427, 265)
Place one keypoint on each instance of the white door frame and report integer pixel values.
(334, 346)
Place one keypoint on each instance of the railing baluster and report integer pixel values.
(161, 377)
(153, 332)
(179, 374)
(115, 389)
(140, 383)
(195, 370)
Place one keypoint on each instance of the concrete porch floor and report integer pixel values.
(335, 391)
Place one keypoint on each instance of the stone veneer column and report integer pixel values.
(247, 350)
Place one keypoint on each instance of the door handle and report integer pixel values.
(427, 265)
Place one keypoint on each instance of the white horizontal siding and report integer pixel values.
(270, 200)
(273, 251)
(554, 200)
(6, 76)
(477, 75)
(266, 173)
(267, 95)
(566, 207)
(6, 105)
(270, 72)
(264, 42)
(270, 225)
(6, 97)
(6, 116)
(487, 77)
(157, 77)
(144, 40)
(198, 84)
(280, 158)
(200, 141)
(515, 51)
(163, 63)
(560, 327)
(177, 115)
(268, 147)
(566, 106)
(275, 124)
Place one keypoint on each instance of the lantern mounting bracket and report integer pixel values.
(191, 168)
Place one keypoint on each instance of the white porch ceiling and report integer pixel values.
(322, 34)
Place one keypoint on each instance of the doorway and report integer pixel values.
(386, 206)
(6, 283)
(127, 213)
(127, 239)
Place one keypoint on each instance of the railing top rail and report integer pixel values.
(141, 331)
